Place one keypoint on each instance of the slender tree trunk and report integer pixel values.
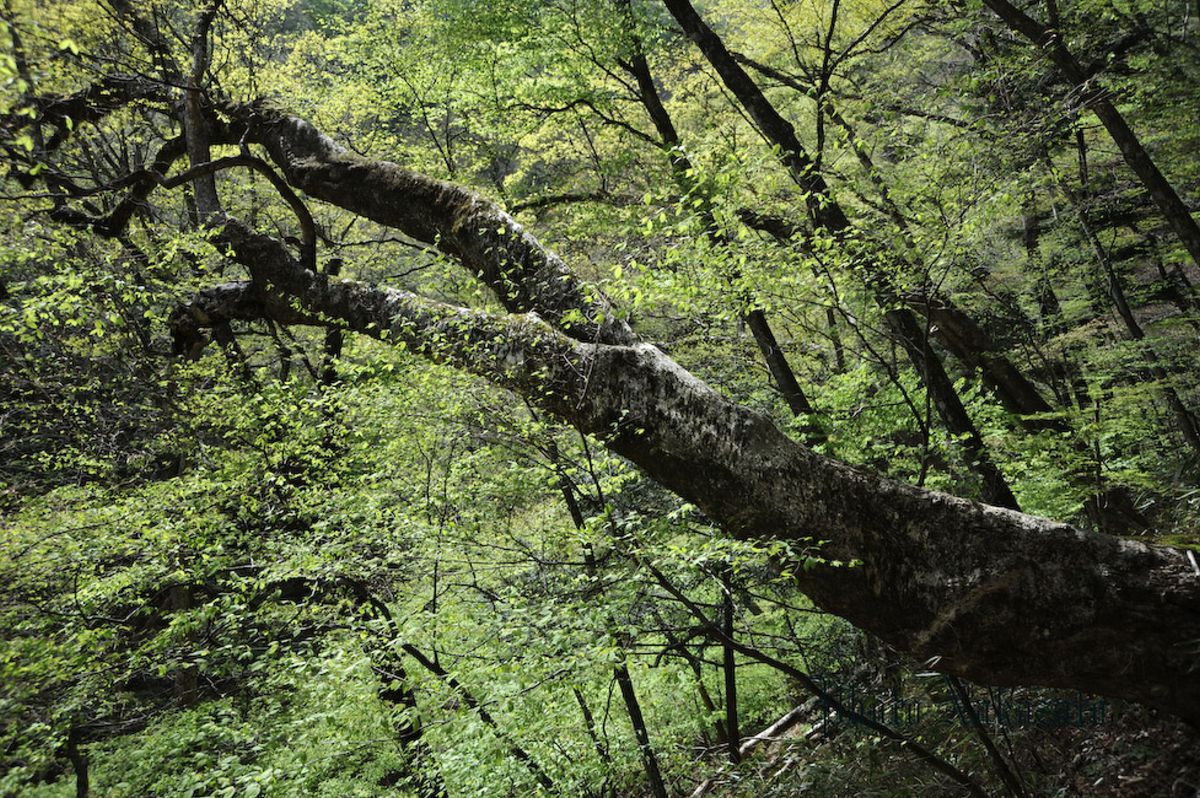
(915, 343)
(1185, 420)
(333, 336)
(516, 751)
(1108, 507)
(395, 691)
(1012, 784)
(79, 763)
(835, 338)
(913, 746)
(706, 700)
(682, 170)
(589, 723)
(1178, 289)
(729, 668)
(657, 787)
(978, 351)
(195, 122)
(394, 687)
(828, 215)
(187, 676)
(633, 707)
(785, 379)
(959, 333)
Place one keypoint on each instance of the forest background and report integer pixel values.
(251, 546)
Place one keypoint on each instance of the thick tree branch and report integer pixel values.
(93, 102)
(524, 275)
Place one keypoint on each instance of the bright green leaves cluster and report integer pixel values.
(155, 508)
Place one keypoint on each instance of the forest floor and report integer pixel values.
(1136, 755)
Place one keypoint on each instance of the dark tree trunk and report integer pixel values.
(394, 688)
(195, 121)
(333, 336)
(912, 338)
(79, 763)
(589, 723)
(1185, 420)
(186, 676)
(1096, 98)
(515, 750)
(729, 670)
(978, 351)
(681, 168)
(785, 379)
(395, 691)
(827, 215)
(649, 761)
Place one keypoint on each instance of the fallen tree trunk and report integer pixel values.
(994, 595)
(990, 594)
(771, 734)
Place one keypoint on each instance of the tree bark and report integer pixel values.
(488, 242)
(785, 379)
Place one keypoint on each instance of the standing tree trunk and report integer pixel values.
(729, 667)
(684, 174)
(633, 707)
(195, 122)
(79, 763)
(1091, 96)
(827, 215)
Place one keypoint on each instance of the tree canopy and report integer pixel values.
(441, 398)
